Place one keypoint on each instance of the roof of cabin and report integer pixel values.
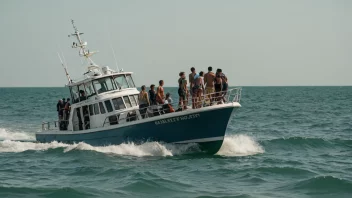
(91, 78)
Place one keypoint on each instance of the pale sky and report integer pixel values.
(255, 42)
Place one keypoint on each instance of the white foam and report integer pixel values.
(16, 147)
(6, 134)
(146, 149)
(233, 145)
(240, 145)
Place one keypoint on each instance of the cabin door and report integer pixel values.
(77, 119)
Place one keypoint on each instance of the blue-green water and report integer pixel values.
(283, 142)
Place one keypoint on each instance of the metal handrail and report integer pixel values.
(229, 96)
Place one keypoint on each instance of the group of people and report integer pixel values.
(209, 87)
(63, 108)
(155, 98)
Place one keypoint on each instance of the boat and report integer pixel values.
(104, 111)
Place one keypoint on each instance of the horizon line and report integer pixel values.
(176, 86)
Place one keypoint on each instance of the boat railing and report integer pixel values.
(196, 102)
(129, 115)
(54, 125)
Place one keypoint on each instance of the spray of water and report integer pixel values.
(6, 134)
(240, 145)
(234, 145)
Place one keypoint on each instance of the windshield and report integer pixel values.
(89, 89)
(103, 85)
(130, 81)
(121, 82)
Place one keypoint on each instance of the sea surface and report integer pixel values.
(282, 142)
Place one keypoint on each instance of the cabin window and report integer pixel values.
(130, 81)
(89, 89)
(82, 92)
(102, 109)
(133, 101)
(121, 82)
(127, 101)
(136, 98)
(118, 103)
(103, 85)
(96, 109)
(108, 105)
(91, 111)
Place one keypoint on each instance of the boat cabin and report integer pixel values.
(97, 100)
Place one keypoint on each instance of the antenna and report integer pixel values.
(65, 68)
(112, 49)
(113, 52)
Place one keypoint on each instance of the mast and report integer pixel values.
(83, 51)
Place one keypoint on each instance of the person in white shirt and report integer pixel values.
(168, 99)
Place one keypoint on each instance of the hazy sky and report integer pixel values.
(255, 42)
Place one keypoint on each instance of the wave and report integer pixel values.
(51, 192)
(240, 145)
(6, 134)
(310, 142)
(324, 184)
(293, 171)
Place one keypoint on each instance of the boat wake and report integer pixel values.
(6, 134)
(240, 145)
(234, 145)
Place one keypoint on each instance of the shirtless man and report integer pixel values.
(160, 93)
(191, 83)
(191, 78)
(209, 79)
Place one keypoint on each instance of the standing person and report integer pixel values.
(152, 95)
(61, 109)
(67, 110)
(160, 93)
(58, 108)
(61, 114)
(152, 100)
(143, 102)
(191, 80)
(182, 91)
(218, 87)
(201, 89)
(64, 102)
(225, 84)
(209, 79)
(197, 90)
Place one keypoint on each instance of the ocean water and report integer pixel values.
(283, 142)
